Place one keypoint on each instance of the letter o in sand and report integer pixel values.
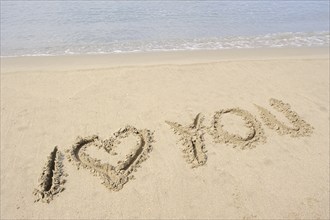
(255, 135)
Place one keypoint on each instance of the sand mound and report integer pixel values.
(114, 177)
(51, 180)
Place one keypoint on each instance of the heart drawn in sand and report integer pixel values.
(114, 177)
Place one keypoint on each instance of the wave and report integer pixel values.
(277, 40)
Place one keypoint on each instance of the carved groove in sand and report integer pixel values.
(113, 177)
(300, 127)
(255, 135)
(51, 180)
(192, 139)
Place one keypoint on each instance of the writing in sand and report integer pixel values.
(191, 137)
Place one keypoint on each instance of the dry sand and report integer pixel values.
(253, 124)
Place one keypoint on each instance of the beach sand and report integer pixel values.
(49, 101)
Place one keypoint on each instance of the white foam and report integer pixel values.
(278, 40)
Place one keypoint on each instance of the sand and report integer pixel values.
(233, 134)
(52, 178)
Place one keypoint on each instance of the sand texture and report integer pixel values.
(300, 127)
(52, 178)
(114, 177)
(255, 134)
(192, 140)
(239, 134)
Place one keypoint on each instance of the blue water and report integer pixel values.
(91, 27)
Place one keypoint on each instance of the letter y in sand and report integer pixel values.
(192, 139)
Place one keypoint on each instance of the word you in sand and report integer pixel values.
(191, 137)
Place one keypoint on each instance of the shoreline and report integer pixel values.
(265, 40)
(103, 61)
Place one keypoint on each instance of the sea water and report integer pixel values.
(39, 28)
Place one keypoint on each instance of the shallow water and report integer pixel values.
(81, 27)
